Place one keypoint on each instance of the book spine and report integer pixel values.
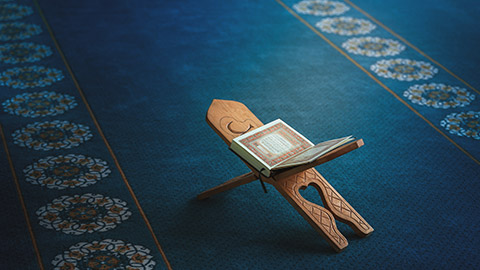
(251, 160)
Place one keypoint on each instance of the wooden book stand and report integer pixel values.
(230, 119)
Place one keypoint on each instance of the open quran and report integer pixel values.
(276, 146)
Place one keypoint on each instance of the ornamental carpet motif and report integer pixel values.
(345, 26)
(18, 31)
(83, 213)
(51, 135)
(30, 77)
(105, 254)
(463, 124)
(404, 69)
(13, 11)
(70, 171)
(438, 95)
(321, 7)
(373, 46)
(39, 104)
(25, 52)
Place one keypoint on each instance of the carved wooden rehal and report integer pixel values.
(230, 119)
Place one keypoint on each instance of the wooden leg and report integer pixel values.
(334, 202)
(232, 183)
(319, 218)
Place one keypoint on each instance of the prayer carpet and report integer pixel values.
(105, 144)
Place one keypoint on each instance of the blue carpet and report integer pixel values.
(149, 70)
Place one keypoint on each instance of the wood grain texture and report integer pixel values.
(230, 119)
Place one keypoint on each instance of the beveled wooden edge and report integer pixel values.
(323, 159)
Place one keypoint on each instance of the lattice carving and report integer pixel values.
(332, 200)
(321, 218)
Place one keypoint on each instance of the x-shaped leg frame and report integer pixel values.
(230, 119)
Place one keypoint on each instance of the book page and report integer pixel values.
(274, 143)
(314, 152)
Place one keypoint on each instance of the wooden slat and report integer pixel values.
(232, 183)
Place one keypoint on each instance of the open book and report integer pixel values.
(277, 146)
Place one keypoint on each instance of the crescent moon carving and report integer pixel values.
(238, 132)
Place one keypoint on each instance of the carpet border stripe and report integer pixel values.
(375, 78)
(22, 201)
(410, 45)
(100, 131)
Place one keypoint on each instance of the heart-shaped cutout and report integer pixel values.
(312, 194)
